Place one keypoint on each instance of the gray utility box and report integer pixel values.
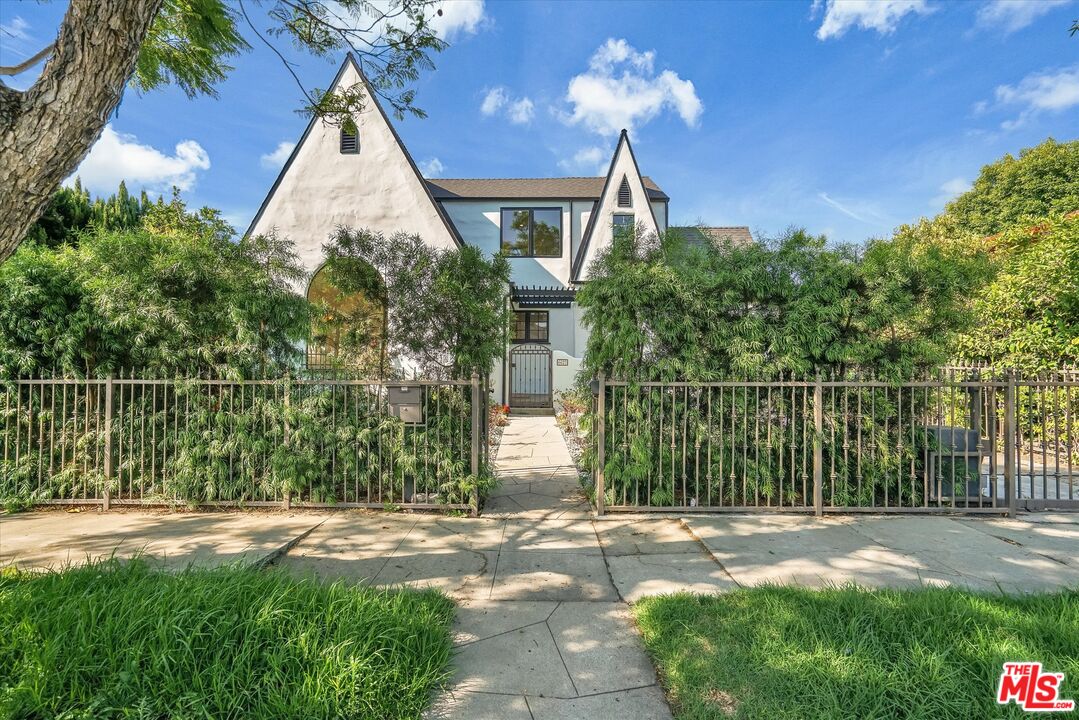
(958, 458)
(406, 403)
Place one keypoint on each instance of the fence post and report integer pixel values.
(475, 444)
(286, 500)
(601, 441)
(105, 495)
(818, 447)
(1009, 444)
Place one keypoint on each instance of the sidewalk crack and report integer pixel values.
(607, 565)
(685, 526)
(565, 667)
(494, 575)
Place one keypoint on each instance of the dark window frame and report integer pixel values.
(531, 230)
(356, 137)
(528, 335)
(631, 216)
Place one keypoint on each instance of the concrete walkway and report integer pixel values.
(539, 479)
(554, 637)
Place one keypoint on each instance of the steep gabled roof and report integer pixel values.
(563, 188)
(623, 165)
(350, 61)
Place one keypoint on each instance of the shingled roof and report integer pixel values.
(737, 235)
(564, 188)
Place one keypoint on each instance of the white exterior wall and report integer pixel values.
(623, 165)
(377, 188)
(479, 224)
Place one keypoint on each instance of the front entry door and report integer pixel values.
(530, 377)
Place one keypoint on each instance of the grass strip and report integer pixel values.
(120, 639)
(784, 652)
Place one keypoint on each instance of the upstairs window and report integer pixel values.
(350, 142)
(625, 197)
(532, 232)
(622, 220)
(531, 326)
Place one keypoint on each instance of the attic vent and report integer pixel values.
(350, 142)
(625, 199)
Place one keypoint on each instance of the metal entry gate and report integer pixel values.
(530, 377)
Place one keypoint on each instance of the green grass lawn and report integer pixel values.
(847, 653)
(118, 639)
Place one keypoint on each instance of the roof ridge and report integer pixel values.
(555, 177)
(714, 227)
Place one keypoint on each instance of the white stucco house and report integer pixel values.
(552, 228)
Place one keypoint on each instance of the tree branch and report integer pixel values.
(27, 64)
(286, 63)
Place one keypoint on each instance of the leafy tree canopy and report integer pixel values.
(1022, 211)
(1027, 317)
(1042, 181)
(70, 212)
(659, 309)
(177, 293)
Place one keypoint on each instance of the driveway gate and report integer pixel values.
(530, 376)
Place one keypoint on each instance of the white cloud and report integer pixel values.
(459, 16)
(951, 190)
(16, 28)
(861, 209)
(493, 101)
(118, 156)
(592, 160)
(1048, 91)
(1012, 15)
(518, 111)
(840, 207)
(431, 167)
(880, 15)
(277, 158)
(621, 90)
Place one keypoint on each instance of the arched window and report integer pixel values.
(348, 329)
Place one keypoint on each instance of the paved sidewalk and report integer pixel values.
(59, 537)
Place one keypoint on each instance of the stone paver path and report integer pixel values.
(539, 479)
(554, 638)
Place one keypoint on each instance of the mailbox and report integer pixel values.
(406, 403)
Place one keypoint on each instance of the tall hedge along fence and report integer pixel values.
(956, 440)
(281, 442)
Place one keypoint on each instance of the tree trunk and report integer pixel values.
(46, 131)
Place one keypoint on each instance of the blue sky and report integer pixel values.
(848, 118)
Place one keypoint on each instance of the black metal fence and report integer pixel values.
(285, 442)
(964, 440)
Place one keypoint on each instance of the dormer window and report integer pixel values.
(625, 197)
(350, 141)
